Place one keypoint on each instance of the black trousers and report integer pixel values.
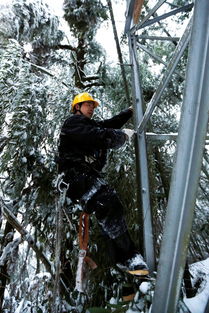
(96, 196)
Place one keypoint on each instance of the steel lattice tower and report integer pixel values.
(190, 139)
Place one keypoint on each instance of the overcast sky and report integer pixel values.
(104, 35)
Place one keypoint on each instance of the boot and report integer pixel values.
(124, 247)
(128, 259)
(135, 266)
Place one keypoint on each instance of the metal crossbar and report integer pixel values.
(190, 145)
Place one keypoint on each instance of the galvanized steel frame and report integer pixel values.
(190, 145)
(141, 156)
(185, 176)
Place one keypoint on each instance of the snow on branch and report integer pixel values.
(3, 142)
(43, 70)
(9, 251)
(11, 218)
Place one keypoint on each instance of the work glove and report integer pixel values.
(129, 133)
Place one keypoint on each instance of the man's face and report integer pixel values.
(87, 108)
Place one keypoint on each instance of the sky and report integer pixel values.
(105, 34)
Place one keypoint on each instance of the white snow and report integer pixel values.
(24, 160)
(199, 302)
(22, 304)
(144, 287)
(113, 300)
(196, 304)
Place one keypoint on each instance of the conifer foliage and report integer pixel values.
(30, 121)
(39, 75)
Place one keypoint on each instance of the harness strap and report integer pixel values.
(84, 238)
(84, 261)
(84, 231)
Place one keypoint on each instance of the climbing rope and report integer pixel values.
(85, 263)
(62, 187)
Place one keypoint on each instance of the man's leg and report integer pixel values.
(110, 215)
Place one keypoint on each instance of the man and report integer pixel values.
(82, 154)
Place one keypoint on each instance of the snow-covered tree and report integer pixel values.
(36, 89)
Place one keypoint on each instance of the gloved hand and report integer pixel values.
(129, 132)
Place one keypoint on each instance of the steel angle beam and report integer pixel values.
(154, 20)
(151, 12)
(182, 44)
(129, 15)
(187, 167)
(133, 12)
(141, 155)
(161, 137)
(183, 308)
(176, 39)
(165, 137)
(207, 307)
(156, 57)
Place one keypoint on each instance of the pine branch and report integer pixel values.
(64, 47)
(56, 47)
(12, 220)
(10, 217)
(89, 78)
(3, 142)
(43, 70)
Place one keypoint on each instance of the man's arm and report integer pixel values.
(118, 120)
(82, 131)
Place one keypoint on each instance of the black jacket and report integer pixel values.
(84, 142)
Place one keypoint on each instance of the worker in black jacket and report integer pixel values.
(83, 148)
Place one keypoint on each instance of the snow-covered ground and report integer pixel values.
(199, 302)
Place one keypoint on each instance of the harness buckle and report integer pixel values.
(61, 185)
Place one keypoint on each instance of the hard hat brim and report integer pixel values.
(83, 97)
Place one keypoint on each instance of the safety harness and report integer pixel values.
(85, 263)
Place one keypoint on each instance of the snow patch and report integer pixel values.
(144, 287)
(113, 301)
(23, 304)
(24, 160)
(198, 303)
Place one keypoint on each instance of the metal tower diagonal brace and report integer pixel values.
(183, 42)
(142, 159)
(185, 176)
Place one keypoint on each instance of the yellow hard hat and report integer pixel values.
(82, 97)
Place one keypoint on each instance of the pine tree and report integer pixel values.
(84, 18)
(36, 89)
